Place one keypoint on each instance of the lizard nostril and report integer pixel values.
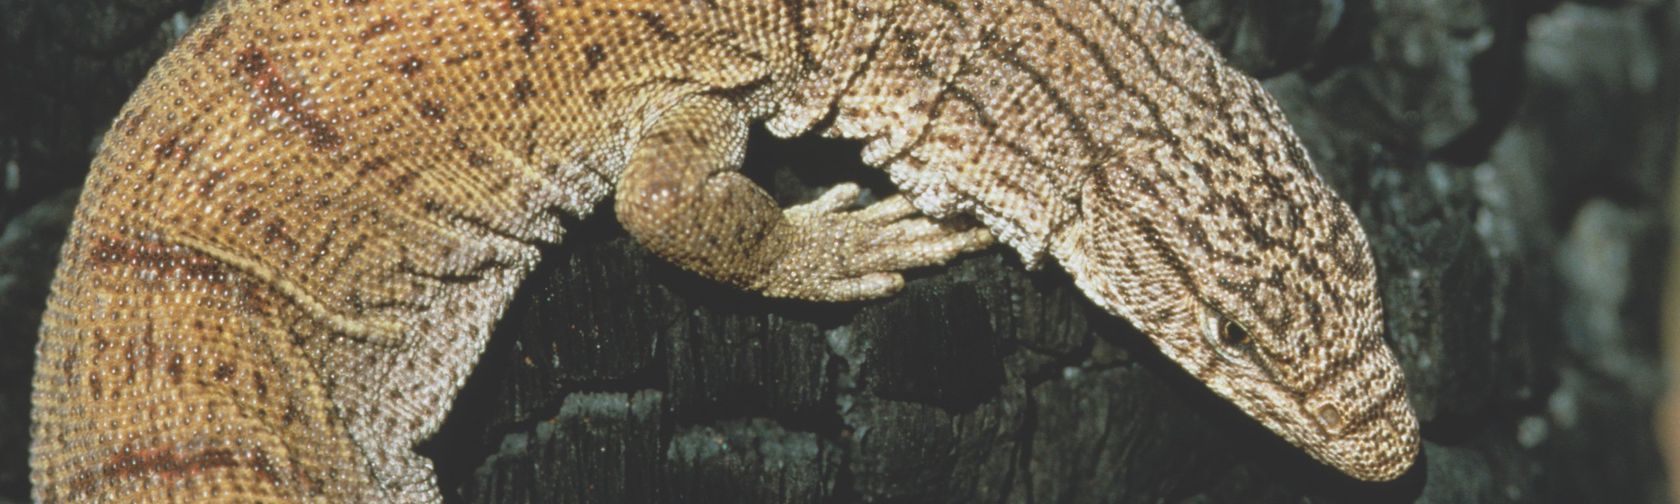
(1330, 417)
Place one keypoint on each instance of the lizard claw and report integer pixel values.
(835, 255)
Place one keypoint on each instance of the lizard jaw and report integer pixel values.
(1358, 421)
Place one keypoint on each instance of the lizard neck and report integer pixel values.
(1007, 109)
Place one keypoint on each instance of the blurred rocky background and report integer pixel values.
(1510, 160)
(1668, 420)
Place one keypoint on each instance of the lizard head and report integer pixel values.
(1220, 243)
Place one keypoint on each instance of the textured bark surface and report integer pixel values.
(1509, 159)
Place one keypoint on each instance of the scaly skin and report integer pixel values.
(300, 229)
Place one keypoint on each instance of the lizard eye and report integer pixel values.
(1231, 333)
(1226, 336)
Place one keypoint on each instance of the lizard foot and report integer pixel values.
(831, 253)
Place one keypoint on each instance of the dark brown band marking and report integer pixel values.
(523, 91)
(433, 111)
(223, 373)
(530, 25)
(214, 37)
(166, 259)
(167, 148)
(275, 95)
(656, 23)
(795, 11)
(176, 368)
(410, 66)
(170, 465)
(376, 29)
(593, 55)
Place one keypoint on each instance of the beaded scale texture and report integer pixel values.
(301, 228)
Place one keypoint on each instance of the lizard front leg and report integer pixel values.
(682, 197)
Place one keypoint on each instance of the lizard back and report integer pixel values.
(298, 232)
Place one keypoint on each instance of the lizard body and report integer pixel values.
(299, 231)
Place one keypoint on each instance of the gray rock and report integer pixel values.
(28, 248)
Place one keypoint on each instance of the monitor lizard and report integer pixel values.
(300, 229)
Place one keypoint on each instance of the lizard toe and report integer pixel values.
(891, 209)
(931, 247)
(833, 200)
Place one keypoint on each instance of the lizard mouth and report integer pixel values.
(1358, 422)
